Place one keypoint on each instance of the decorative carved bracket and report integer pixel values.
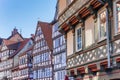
(81, 20)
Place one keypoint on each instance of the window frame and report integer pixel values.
(99, 12)
(115, 17)
(77, 28)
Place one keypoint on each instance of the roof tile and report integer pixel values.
(47, 32)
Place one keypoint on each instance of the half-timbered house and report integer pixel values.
(42, 52)
(92, 32)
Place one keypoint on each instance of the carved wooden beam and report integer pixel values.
(81, 70)
(92, 10)
(73, 20)
(61, 30)
(71, 27)
(93, 67)
(81, 20)
(110, 7)
(69, 24)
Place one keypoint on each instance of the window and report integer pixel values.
(64, 59)
(59, 60)
(42, 73)
(59, 75)
(56, 43)
(35, 74)
(55, 28)
(117, 15)
(59, 42)
(62, 40)
(78, 39)
(39, 31)
(102, 24)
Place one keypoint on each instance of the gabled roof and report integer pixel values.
(8, 42)
(14, 35)
(20, 47)
(14, 46)
(47, 32)
(11, 45)
(15, 32)
(24, 53)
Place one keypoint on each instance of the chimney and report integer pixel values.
(15, 31)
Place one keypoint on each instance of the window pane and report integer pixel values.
(118, 16)
(102, 24)
(79, 38)
(55, 28)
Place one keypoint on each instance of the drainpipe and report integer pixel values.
(52, 65)
(108, 38)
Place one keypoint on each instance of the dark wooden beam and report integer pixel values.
(91, 9)
(61, 30)
(102, 2)
(81, 20)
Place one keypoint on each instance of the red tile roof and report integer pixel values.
(8, 42)
(47, 32)
(21, 46)
(14, 46)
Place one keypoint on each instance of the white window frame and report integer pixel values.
(115, 17)
(99, 12)
(78, 27)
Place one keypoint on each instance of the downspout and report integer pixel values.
(52, 65)
(108, 33)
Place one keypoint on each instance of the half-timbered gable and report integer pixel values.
(25, 49)
(42, 52)
(7, 49)
(59, 53)
(25, 65)
(15, 36)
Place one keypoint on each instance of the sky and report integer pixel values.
(24, 14)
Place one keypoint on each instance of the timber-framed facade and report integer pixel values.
(42, 52)
(59, 53)
(92, 32)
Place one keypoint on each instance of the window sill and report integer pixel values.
(117, 33)
(102, 39)
(117, 36)
(78, 50)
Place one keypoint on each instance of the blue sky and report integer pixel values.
(24, 14)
